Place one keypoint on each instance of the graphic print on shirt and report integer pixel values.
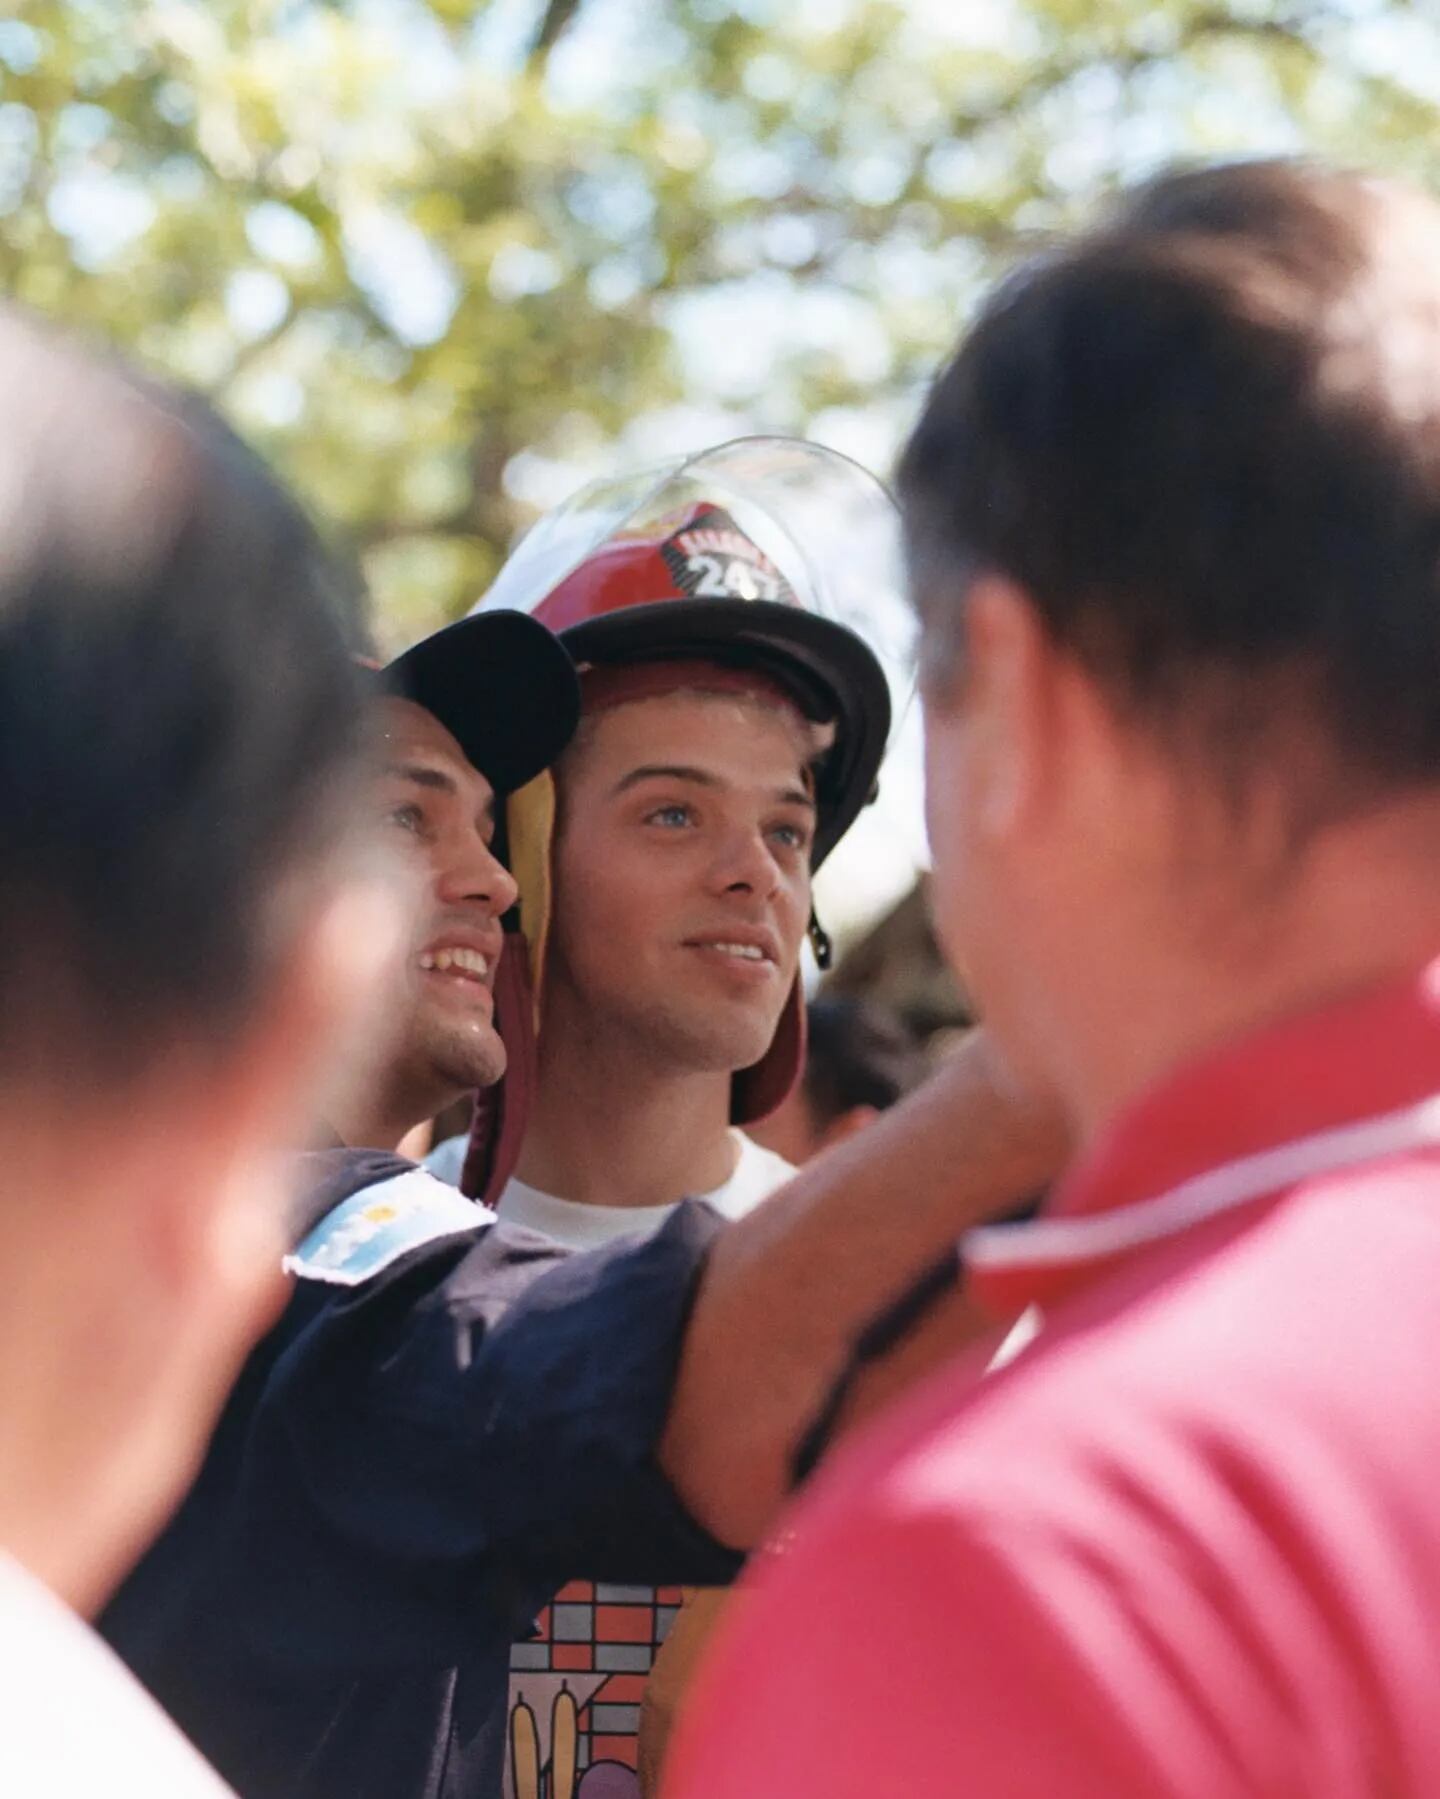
(594, 1646)
(576, 1687)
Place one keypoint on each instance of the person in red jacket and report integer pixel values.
(1173, 517)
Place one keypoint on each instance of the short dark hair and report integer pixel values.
(180, 714)
(1205, 439)
(859, 1054)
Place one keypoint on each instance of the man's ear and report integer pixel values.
(1011, 667)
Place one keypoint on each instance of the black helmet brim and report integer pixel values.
(831, 671)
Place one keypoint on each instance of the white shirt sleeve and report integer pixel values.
(74, 1722)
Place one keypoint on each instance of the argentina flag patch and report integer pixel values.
(363, 1235)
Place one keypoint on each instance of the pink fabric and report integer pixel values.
(1188, 1543)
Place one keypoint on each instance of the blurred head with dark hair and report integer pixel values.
(1173, 516)
(179, 928)
(859, 1060)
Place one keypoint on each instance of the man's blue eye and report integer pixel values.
(670, 815)
(408, 818)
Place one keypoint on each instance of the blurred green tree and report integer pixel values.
(441, 257)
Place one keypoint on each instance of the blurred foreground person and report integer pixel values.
(182, 923)
(859, 1060)
(1174, 521)
(455, 1414)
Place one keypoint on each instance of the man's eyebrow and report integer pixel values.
(700, 777)
(664, 771)
(422, 776)
(441, 782)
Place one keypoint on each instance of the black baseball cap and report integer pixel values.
(503, 687)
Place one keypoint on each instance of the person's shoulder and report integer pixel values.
(1301, 1341)
(1212, 1464)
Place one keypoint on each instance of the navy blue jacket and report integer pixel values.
(450, 1420)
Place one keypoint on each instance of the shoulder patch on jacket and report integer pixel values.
(364, 1234)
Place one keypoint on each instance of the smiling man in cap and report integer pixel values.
(493, 693)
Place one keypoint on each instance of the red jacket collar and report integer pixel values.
(1371, 1056)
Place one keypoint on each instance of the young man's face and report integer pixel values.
(683, 876)
(441, 812)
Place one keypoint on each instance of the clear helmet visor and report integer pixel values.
(827, 531)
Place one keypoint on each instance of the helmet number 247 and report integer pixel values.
(730, 578)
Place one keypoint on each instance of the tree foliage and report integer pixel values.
(441, 257)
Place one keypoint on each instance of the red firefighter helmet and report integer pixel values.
(767, 553)
(694, 586)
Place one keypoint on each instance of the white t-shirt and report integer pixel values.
(758, 1172)
(74, 1722)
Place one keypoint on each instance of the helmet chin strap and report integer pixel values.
(820, 942)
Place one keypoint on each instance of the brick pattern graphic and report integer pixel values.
(593, 1648)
